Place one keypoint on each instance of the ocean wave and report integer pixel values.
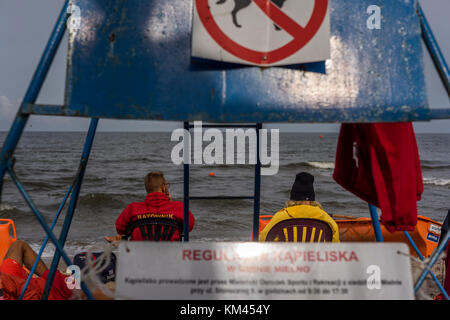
(71, 249)
(12, 212)
(39, 185)
(435, 166)
(436, 182)
(18, 216)
(6, 207)
(321, 165)
(312, 164)
(100, 200)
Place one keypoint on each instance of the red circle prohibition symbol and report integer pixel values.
(301, 36)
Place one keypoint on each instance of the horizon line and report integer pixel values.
(151, 131)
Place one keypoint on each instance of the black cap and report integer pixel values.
(303, 188)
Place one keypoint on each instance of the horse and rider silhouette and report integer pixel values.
(241, 4)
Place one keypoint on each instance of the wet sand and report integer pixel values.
(429, 288)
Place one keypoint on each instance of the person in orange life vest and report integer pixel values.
(302, 204)
(158, 204)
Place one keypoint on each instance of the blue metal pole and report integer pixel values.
(186, 190)
(44, 225)
(433, 48)
(376, 223)
(433, 260)
(32, 93)
(44, 244)
(10, 145)
(411, 241)
(72, 204)
(257, 194)
(437, 114)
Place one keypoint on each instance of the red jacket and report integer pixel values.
(379, 162)
(156, 205)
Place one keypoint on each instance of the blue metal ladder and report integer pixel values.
(257, 183)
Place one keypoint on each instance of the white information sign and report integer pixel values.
(266, 271)
(261, 32)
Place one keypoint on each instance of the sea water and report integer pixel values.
(47, 162)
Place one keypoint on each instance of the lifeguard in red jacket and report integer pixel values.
(158, 204)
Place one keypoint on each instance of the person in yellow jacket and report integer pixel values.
(302, 204)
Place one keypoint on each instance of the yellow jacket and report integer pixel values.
(301, 211)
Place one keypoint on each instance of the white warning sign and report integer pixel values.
(267, 271)
(261, 32)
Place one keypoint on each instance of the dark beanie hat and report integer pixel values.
(303, 188)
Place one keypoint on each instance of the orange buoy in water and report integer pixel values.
(321, 137)
(211, 174)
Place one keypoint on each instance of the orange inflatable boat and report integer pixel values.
(6, 238)
(351, 229)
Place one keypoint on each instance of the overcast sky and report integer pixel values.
(25, 26)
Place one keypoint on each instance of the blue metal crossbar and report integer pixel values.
(21, 119)
(59, 247)
(222, 198)
(439, 114)
(421, 257)
(257, 184)
(435, 51)
(379, 238)
(442, 246)
(72, 204)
